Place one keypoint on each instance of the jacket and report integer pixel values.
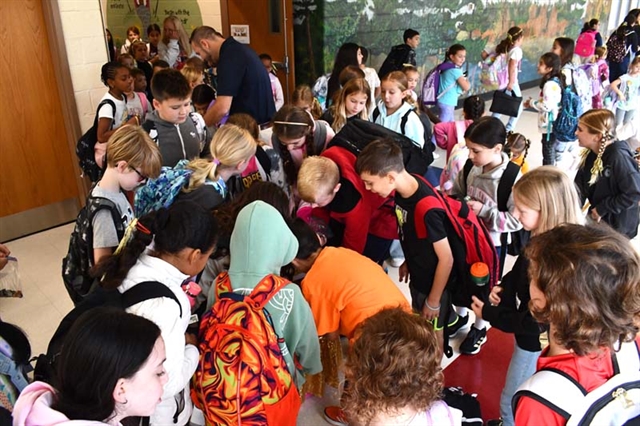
(261, 243)
(616, 193)
(33, 408)
(182, 359)
(177, 142)
(483, 186)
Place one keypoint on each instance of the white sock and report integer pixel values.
(480, 323)
(461, 310)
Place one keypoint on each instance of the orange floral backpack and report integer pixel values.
(243, 378)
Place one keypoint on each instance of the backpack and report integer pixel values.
(467, 403)
(162, 191)
(242, 376)
(395, 60)
(566, 124)
(494, 72)
(431, 85)
(85, 147)
(586, 44)
(617, 47)
(15, 352)
(79, 259)
(615, 402)
(357, 133)
(427, 126)
(583, 78)
(46, 363)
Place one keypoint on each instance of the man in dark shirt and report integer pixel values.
(243, 83)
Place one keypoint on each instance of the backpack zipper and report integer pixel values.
(620, 393)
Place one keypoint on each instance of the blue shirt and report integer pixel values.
(448, 80)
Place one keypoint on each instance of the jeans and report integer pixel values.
(521, 367)
(446, 112)
(624, 117)
(511, 124)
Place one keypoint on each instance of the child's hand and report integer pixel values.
(191, 339)
(527, 103)
(475, 206)
(476, 306)
(429, 313)
(403, 272)
(594, 215)
(494, 297)
(622, 97)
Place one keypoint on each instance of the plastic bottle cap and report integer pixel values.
(479, 270)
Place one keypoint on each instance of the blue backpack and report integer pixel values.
(566, 124)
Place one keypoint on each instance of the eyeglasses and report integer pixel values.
(142, 178)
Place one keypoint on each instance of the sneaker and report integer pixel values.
(458, 324)
(473, 341)
(395, 262)
(494, 422)
(335, 416)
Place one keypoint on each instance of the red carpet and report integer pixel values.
(484, 373)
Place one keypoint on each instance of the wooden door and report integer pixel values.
(270, 31)
(38, 187)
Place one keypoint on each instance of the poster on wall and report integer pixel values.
(241, 33)
(122, 14)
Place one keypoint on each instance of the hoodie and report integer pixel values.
(261, 243)
(33, 408)
(414, 129)
(177, 142)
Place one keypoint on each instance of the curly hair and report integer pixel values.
(394, 363)
(590, 279)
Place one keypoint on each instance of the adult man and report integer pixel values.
(243, 83)
(402, 54)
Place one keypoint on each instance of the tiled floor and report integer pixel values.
(45, 300)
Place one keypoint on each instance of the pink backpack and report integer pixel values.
(586, 44)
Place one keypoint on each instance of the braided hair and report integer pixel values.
(473, 108)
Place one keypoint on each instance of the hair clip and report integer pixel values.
(216, 161)
(291, 123)
(140, 227)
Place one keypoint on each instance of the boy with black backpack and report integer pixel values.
(132, 158)
(437, 236)
(402, 54)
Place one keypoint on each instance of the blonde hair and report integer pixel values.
(183, 38)
(400, 79)
(549, 191)
(230, 146)
(598, 122)
(317, 174)
(191, 74)
(353, 86)
(132, 144)
(304, 94)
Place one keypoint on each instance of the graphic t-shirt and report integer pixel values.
(630, 88)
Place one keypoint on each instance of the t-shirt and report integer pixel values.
(419, 252)
(630, 88)
(136, 106)
(515, 54)
(374, 81)
(104, 230)
(242, 76)
(449, 80)
(107, 112)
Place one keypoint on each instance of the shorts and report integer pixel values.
(446, 309)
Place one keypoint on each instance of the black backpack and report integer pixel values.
(357, 133)
(86, 145)
(46, 363)
(428, 147)
(79, 258)
(395, 60)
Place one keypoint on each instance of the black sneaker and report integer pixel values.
(458, 324)
(473, 341)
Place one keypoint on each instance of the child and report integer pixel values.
(395, 105)
(139, 52)
(584, 284)
(132, 158)
(627, 88)
(372, 78)
(485, 141)
(548, 105)
(428, 262)
(160, 65)
(544, 198)
(179, 133)
(564, 48)
(351, 102)
(402, 54)
(511, 46)
(600, 58)
(194, 77)
(202, 98)
(608, 178)
(276, 86)
(153, 35)
(413, 77)
(517, 147)
(174, 48)
(359, 220)
(139, 80)
(303, 98)
(127, 60)
(453, 83)
(388, 383)
(133, 34)
(183, 237)
(137, 102)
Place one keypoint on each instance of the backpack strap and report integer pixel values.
(100, 105)
(375, 114)
(405, 118)
(96, 204)
(9, 368)
(468, 165)
(265, 290)
(264, 161)
(148, 290)
(144, 102)
(505, 186)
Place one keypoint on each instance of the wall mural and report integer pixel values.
(121, 14)
(321, 26)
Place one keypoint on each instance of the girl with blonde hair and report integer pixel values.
(174, 48)
(351, 102)
(608, 178)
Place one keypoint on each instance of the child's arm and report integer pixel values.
(498, 221)
(440, 279)
(551, 97)
(463, 83)
(101, 253)
(513, 73)
(300, 334)
(615, 86)
(627, 178)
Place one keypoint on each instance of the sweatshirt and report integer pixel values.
(261, 243)
(414, 129)
(177, 142)
(33, 408)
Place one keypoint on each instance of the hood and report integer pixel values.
(153, 116)
(261, 243)
(33, 408)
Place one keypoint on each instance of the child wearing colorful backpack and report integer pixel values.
(548, 105)
(600, 59)
(511, 47)
(588, 40)
(132, 158)
(627, 87)
(452, 82)
(480, 188)
(544, 198)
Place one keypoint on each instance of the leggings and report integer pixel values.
(548, 149)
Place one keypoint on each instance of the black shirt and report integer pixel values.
(242, 76)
